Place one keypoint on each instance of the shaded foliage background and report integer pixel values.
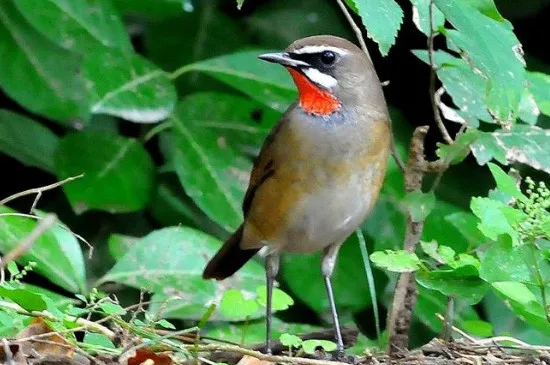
(166, 155)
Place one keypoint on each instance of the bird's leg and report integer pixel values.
(271, 270)
(329, 260)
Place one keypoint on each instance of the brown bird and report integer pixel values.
(321, 168)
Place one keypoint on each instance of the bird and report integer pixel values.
(320, 169)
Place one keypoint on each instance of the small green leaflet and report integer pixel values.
(396, 261)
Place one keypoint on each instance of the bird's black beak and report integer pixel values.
(284, 59)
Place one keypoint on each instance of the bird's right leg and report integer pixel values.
(271, 270)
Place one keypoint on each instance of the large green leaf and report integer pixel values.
(301, 19)
(540, 87)
(267, 83)
(382, 19)
(39, 75)
(493, 49)
(27, 141)
(421, 16)
(170, 261)
(154, 10)
(77, 25)
(209, 33)
(523, 143)
(462, 282)
(431, 302)
(302, 274)
(466, 88)
(57, 253)
(118, 172)
(206, 141)
(128, 86)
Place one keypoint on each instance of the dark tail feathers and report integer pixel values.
(229, 258)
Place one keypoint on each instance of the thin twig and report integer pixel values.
(26, 243)
(355, 28)
(260, 356)
(85, 324)
(458, 330)
(39, 190)
(433, 67)
(363, 45)
(32, 216)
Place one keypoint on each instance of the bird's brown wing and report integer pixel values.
(263, 168)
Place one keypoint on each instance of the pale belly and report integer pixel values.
(325, 218)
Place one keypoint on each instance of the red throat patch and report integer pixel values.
(313, 99)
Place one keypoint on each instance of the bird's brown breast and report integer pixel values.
(316, 185)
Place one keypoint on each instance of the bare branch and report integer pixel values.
(26, 243)
(433, 67)
(38, 190)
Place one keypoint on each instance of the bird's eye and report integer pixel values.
(328, 57)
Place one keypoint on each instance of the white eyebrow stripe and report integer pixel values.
(320, 78)
(319, 49)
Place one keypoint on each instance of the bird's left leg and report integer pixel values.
(329, 260)
(271, 270)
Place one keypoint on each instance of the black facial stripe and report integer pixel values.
(314, 59)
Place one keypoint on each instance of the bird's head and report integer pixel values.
(330, 72)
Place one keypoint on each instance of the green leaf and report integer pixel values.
(309, 346)
(496, 218)
(58, 300)
(493, 49)
(419, 205)
(478, 328)
(382, 19)
(165, 324)
(421, 16)
(206, 141)
(540, 87)
(466, 88)
(118, 176)
(280, 300)
(504, 262)
(289, 340)
(98, 339)
(353, 295)
(431, 302)
(234, 306)
(442, 254)
(111, 308)
(459, 150)
(396, 261)
(209, 32)
(28, 300)
(57, 89)
(128, 86)
(240, 4)
(463, 282)
(169, 262)
(11, 323)
(486, 7)
(27, 141)
(77, 25)
(528, 109)
(466, 223)
(506, 183)
(271, 85)
(119, 244)
(523, 143)
(254, 331)
(57, 254)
